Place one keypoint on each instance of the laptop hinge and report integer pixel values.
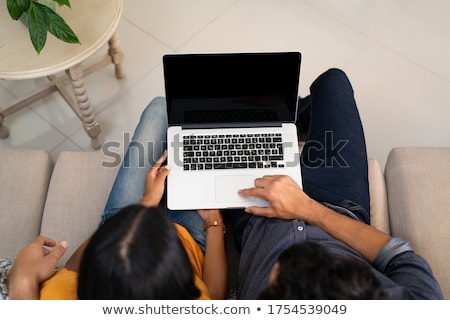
(231, 125)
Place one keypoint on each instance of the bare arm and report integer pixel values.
(33, 265)
(363, 238)
(215, 269)
(288, 201)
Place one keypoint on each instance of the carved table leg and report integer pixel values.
(86, 113)
(4, 133)
(117, 56)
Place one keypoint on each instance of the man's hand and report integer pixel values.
(286, 199)
(33, 265)
(156, 178)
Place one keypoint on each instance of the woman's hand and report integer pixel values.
(33, 265)
(156, 178)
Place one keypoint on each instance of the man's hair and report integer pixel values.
(308, 271)
(136, 254)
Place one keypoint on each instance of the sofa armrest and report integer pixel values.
(77, 194)
(24, 179)
(379, 217)
(418, 187)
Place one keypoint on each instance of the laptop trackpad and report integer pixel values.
(227, 188)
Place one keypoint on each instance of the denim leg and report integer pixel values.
(334, 158)
(147, 145)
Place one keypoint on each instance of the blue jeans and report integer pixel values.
(147, 145)
(334, 158)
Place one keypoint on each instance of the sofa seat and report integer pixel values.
(64, 200)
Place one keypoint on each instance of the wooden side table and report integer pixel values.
(94, 22)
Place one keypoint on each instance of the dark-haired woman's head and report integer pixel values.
(136, 254)
(308, 271)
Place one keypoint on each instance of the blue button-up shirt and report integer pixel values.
(403, 273)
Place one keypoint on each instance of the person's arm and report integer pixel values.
(365, 239)
(33, 265)
(288, 201)
(215, 269)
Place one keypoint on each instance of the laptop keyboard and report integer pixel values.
(233, 151)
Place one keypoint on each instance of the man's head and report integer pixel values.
(308, 271)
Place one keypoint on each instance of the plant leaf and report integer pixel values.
(17, 7)
(38, 26)
(63, 2)
(57, 26)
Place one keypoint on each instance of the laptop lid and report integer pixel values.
(231, 89)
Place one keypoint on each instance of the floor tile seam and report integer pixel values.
(208, 24)
(154, 37)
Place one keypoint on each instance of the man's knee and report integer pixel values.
(333, 79)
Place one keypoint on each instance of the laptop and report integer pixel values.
(231, 119)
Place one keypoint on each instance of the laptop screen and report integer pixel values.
(220, 88)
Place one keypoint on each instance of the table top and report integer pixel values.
(93, 21)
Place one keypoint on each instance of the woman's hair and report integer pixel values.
(308, 271)
(136, 254)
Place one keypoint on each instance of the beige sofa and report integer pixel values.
(64, 200)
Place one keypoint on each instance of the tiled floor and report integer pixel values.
(395, 52)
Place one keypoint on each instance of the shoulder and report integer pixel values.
(61, 286)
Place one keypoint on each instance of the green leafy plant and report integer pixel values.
(40, 19)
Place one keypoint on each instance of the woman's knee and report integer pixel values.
(155, 109)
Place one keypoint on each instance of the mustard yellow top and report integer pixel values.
(63, 284)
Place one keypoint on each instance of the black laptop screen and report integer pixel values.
(231, 87)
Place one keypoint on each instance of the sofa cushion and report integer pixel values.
(418, 186)
(78, 191)
(25, 176)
